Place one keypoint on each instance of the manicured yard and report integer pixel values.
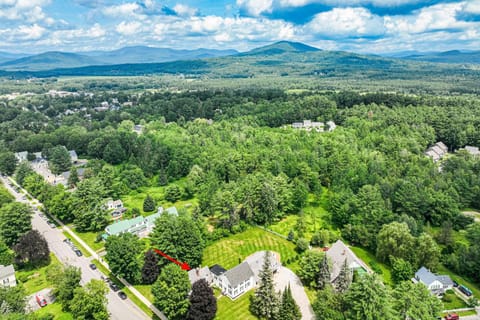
(78, 245)
(146, 290)
(469, 284)
(55, 309)
(455, 303)
(372, 261)
(235, 310)
(229, 252)
(35, 279)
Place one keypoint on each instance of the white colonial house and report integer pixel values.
(236, 281)
(7, 276)
(437, 284)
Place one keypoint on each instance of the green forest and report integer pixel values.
(232, 154)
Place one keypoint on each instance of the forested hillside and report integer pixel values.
(234, 151)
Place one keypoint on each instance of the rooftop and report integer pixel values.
(6, 271)
(239, 274)
(123, 226)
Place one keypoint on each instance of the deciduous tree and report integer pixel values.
(150, 269)
(170, 292)
(122, 256)
(414, 301)
(32, 248)
(15, 221)
(203, 304)
(90, 301)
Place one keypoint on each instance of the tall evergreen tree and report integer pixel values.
(73, 177)
(264, 303)
(324, 275)
(150, 269)
(149, 204)
(203, 304)
(289, 309)
(344, 279)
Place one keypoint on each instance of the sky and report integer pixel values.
(367, 26)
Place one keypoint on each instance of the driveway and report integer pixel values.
(285, 276)
(32, 304)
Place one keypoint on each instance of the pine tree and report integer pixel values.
(149, 204)
(264, 303)
(73, 177)
(324, 274)
(344, 278)
(150, 269)
(203, 304)
(289, 309)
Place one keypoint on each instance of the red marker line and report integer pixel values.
(182, 265)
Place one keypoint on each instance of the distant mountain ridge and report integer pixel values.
(136, 54)
(452, 56)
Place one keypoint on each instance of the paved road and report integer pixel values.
(282, 278)
(118, 308)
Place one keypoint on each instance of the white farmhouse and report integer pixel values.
(7, 276)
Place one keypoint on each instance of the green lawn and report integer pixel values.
(370, 260)
(89, 238)
(77, 244)
(455, 303)
(230, 251)
(55, 309)
(146, 290)
(235, 310)
(469, 284)
(34, 280)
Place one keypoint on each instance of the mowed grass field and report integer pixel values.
(229, 252)
(34, 280)
(235, 310)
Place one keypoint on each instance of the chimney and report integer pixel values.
(198, 271)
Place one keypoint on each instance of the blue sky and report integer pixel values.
(371, 26)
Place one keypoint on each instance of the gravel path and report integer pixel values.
(282, 278)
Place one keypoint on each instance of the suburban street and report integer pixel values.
(119, 309)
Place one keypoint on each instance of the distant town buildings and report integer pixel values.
(310, 125)
(437, 151)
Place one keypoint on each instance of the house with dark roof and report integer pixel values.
(437, 284)
(7, 276)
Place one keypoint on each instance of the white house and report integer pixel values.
(21, 156)
(114, 204)
(437, 284)
(7, 276)
(236, 281)
(437, 151)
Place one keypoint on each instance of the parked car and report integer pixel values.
(78, 253)
(122, 295)
(51, 224)
(92, 266)
(41, 300)
(465, 290)
(452, 316)
(455, 284)
(114, 287)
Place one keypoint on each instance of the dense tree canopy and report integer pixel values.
(123, 256)
(15, 221)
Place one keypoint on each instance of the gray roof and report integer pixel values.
(73, 154)
(239, 274)
(424, 275)
(337, 255)
(472, 150)
(256, 261)
(6, 271)
(442, 146)
(196, 274)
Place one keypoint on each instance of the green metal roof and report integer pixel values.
(123, 226)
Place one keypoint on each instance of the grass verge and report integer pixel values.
(378, 267)
(77, 244)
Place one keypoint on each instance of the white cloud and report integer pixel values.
(29, 10)
(184, 10)
(256, 7)
(122, 10)
(347, 3)
(346, 22)
(128, 28)
(437, 17)
(32, 32)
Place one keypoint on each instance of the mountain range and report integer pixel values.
(276, 60)
(137, 54)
